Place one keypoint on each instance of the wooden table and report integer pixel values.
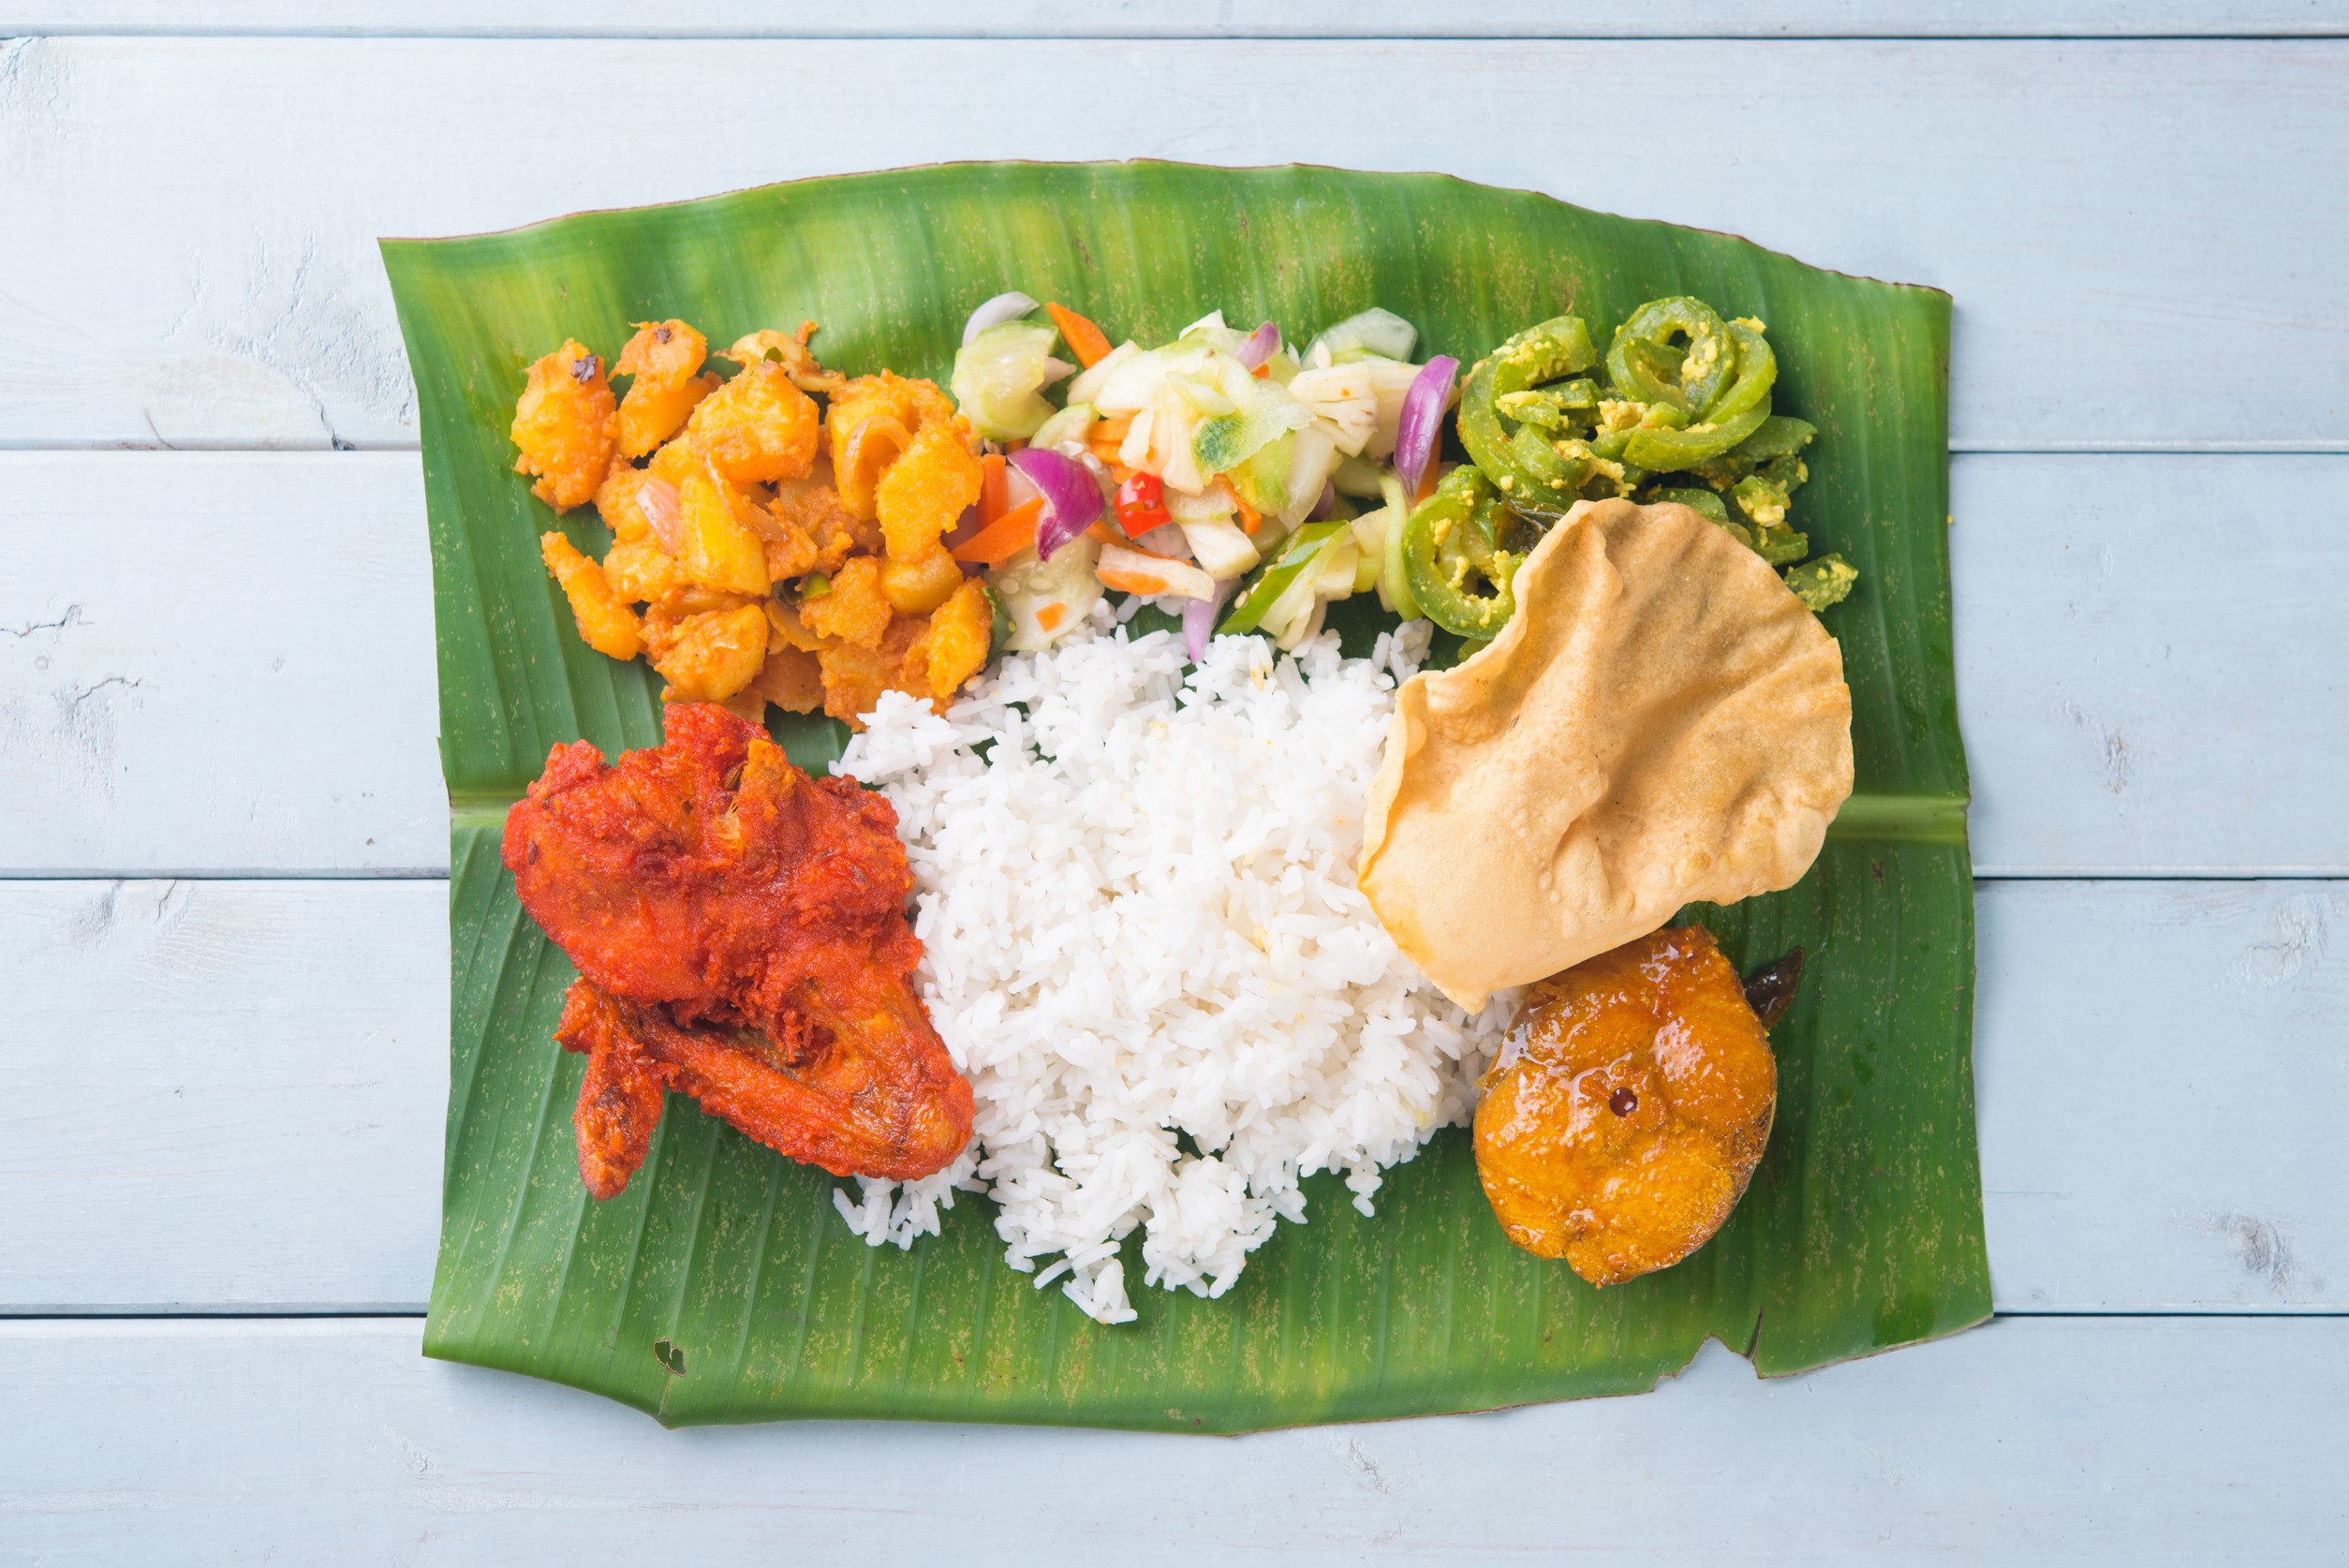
(224, 941)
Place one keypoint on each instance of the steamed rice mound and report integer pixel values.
(1143, 930)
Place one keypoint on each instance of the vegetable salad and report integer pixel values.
(1231, 467)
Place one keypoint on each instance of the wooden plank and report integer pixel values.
(2110, 1441)
(2086, 202)
(2161, 1082)
(293, 731)
(2145, 674)
(216, 663)
(222, 1095)
(1176, 19)
(227, 1095)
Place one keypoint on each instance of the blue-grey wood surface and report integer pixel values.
(222, 837)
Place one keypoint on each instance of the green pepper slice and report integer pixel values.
(1701, 501)
(1780, 545)
(1497, 439)
(1688, 447)
(1761, 499)
(1294, 557)
(1646, 363)
(1450, 535)
(1824, 582)
(1757, 372)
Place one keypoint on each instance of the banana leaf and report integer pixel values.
(721, 1286)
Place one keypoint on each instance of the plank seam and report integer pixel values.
(2316, 31)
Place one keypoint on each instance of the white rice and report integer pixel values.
(1143, 928)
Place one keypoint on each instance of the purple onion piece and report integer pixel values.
(1423, 417)
(1260, 347)
(966, 528)
(1071, 497)
(1327, 505)
(1199, 618)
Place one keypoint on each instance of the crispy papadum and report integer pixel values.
(1660, 721)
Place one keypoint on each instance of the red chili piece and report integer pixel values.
(1142, 505)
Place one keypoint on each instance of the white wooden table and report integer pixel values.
(223, 941)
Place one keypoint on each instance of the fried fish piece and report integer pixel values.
(741, 934)
(1628, 1114)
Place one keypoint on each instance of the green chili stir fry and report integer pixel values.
(1683, 414)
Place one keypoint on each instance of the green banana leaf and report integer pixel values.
(721, 1286)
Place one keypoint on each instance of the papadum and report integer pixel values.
(1661, 721)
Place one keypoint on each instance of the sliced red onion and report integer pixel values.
(1072, 499)
(663, 507)
(1259, 346)
(1199, 618)
(1327, 505)
(966, 528)
(1423, 417)
(1003, 308)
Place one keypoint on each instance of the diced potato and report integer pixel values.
(619, 500)
(719, 548)
(852, 608)
(677, 461)
(758, 428)
(789, 551)
(640, 571)
(853, 680)
(814, 508)
(785, 630)
(955, 647)
(923, 493)
(692, 599)
(710, 656)
(860, 460)
(563, 426)
(917, 587)
(899, 656)
(896, 409)
(663, 356)
(750, 705)
(792, 680)
(605, 623)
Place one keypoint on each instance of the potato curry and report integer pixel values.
(764, 549)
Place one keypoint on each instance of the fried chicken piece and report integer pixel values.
(741, 932)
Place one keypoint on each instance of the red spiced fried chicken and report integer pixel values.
(740, 932)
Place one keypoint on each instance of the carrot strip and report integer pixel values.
(994, 494)
(1250, 519)
(1004, 537)
(1087, 342)
(1131, 582)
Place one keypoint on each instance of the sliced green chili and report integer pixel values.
(1645, 363)
(1824, 582)
(1455, 534)
(1294, 557)
(1505, 443)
